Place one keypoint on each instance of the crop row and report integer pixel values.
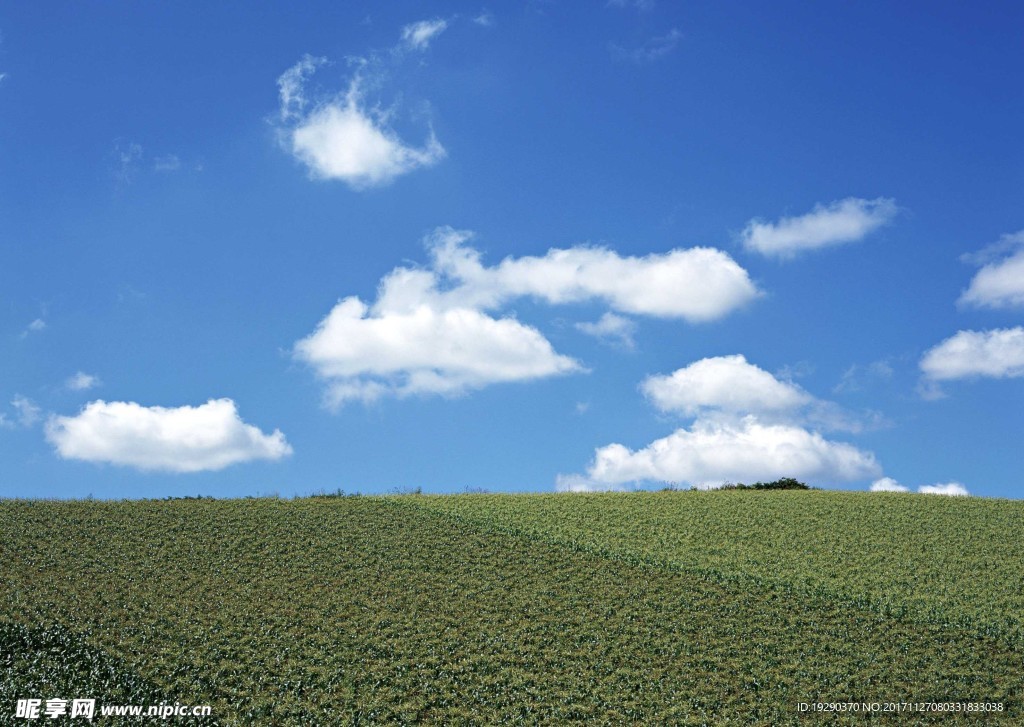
(369, 610)
(944, 560)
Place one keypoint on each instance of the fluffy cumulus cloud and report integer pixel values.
(183, 439)
(748, 425)
(1000, 282)
(432, 331)
(343, 137)
(997, 353)
(846, 220)
(696, 284)
(729, 383)
(365, 353)
(713, 452)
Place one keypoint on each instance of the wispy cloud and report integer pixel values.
(418, 35)
(26, 413)
(208, 437)
(131, 159)
(847, 220)
(35, 326)
(642, 5)
(652, 50)
(166, 163)
(611, 328)
(127, 156)
(859, 376)
(82, 381)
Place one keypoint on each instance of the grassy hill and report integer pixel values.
(668, 607)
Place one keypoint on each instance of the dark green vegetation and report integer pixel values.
(785, 483)
(670, 607)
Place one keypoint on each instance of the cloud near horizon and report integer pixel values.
(711, 453)
(182, 439)
(843, 221)
(748, 426)
(429, 331)
(888, 484)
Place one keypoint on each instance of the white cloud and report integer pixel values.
(418, 35)
(427, 332)
(611, 328)
(1000, 283)
(731, 385)
(484, 19)
(887, 484)
(696, 284)
(127, 159)
(291, 87)
(341, 138)
(82, 381)
(34, 327)
(728, 383)
(996, 353)
(713, 452)
(183, 439)
(364, 354)
(952, 488)
(846, 220)
(167, 163)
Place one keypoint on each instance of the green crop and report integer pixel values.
(667, 608)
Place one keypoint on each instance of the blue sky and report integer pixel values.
(248, 249)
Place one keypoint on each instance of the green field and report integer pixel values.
(662, 608)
